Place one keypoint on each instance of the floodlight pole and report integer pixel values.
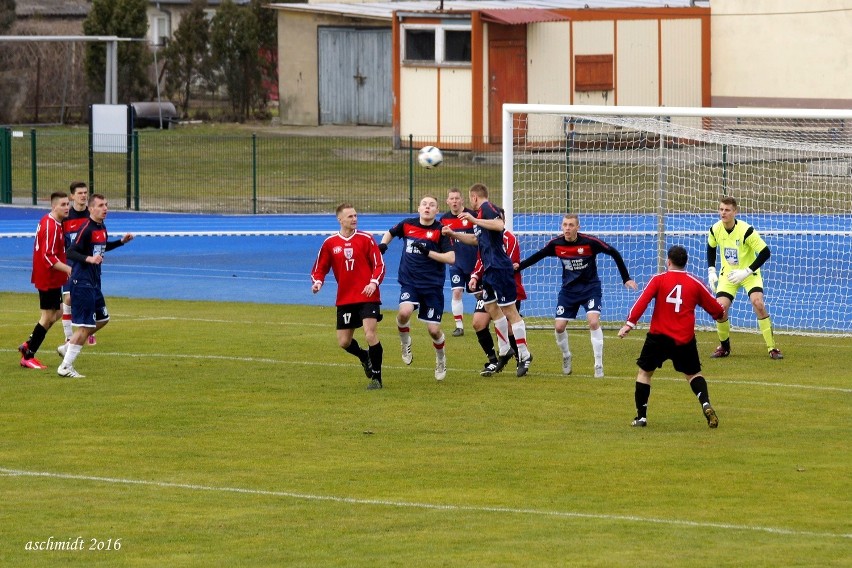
(111, 77)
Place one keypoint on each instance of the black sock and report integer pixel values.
(642, 393)
(726, 344)
(699, 387)
(356, 350)
(36, 339)
(375, 353)
(486, 341)
(514, 345)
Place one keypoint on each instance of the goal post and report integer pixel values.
(645, 178)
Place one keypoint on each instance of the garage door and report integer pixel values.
(355, 76)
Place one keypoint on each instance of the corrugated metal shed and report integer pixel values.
(517, 16)
(385, 10)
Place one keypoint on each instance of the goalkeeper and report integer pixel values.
(743, 253)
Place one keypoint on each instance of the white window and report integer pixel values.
(160, 30)
(428, 44)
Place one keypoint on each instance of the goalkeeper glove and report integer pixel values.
(383, 248)
(420, 247)
(712, 279)
(738, 276)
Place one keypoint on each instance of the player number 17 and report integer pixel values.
(350, 264)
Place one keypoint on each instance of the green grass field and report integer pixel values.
(210, 434)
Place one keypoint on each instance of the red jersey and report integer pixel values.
(676, 294)
(510, 245)
(355, 261)
(48, 249)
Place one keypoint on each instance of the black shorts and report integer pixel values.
(658, 348)
(480, 306)
(50, 299)
(352, 316)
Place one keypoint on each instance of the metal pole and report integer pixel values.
(34, 165)
(136, 170)
(661, 204)
(254, 173)
(410, 173)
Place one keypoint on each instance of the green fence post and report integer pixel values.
(410, 173)
(254, 173)
(34, 165)
(136, 170)
(6, 165)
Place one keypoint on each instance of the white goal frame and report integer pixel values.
(840, 232)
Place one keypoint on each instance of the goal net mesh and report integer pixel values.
(644, 183)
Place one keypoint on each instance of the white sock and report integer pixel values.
(562, 342)
(597, 345)
(71, 352)
(66, 321)
(519, 330)
(439, 345)
(458, 311)
(501, 326)
(404, 332)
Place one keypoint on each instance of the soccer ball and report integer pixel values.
(430, 157)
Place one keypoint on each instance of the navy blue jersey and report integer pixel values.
(579, 264)
(92, 240)
(415, 269)
(465, 254)
(491, 249)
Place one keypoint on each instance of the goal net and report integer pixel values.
(644, 179)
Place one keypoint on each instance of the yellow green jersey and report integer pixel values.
(739, 246)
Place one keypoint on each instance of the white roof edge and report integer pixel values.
(385, 10)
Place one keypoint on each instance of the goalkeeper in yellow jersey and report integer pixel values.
(743, 253)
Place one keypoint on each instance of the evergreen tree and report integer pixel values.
(234, 47)
(187, 55)
(7, 15)
(124, 19)
(244, 46)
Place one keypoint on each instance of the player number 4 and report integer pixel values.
(674, 297)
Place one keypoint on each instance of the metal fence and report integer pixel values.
(174, 170)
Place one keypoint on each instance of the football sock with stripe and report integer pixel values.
(375, 352)
(699, 387)
(641, 395)
(66, 321)
(356, 350)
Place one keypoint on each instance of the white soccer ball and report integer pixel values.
(430, 157)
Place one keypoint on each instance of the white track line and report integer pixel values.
(271, 361)
(427, 506)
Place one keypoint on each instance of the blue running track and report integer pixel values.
(244, 258)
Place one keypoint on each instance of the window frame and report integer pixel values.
(440, 44)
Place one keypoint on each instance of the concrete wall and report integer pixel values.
(782, 53)
(298, 79)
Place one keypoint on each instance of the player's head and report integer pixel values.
(570, 226)
(347, 216)
(428, 208)
(98, 207)
(678, 257)
(478, 194)
(728, 209)
(59, 205)
(79, 192)
(455, 200)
